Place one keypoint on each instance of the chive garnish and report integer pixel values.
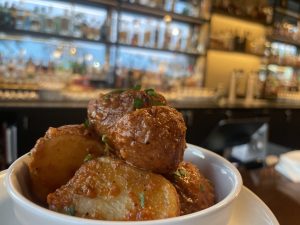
(137, 87)
(86, 123)
(150, 92)
(138, 103)
(180, 173)
(104, 138)
(202, 188)
(142, 199)
(87, 158)
(70, 210)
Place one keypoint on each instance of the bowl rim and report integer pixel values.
(19, 199)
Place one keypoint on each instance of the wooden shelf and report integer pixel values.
(69, 38)
(241, 17)
(236, 52)
(100, 3)
(289, 41)
(162, 50)
(38, 34)
(159, 13)
(284, 65)
(287, 12)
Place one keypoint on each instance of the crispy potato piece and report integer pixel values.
(56, 157)
(107, 109)
(107, 188)
(151, 138)
(195, 191)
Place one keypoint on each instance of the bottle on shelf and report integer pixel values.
(157, 43)
(167, 37)
(65, 23)
(136, 39)
(49, 21)
(148, 34)
(251, 85)
(77, 23)
(35, 24)
(105, 29)
(195, 40)
(123, 32)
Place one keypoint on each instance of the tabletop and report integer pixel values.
(280, 194)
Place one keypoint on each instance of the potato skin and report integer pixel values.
(107, 109)
(57, 155)
(151, 138)
(107, 188)
(195, 191)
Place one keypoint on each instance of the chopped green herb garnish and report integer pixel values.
(202, 188)
(138, 103)
(150, 92)
(137, 87)
(88, 157)
(104, 138)
(180, 173)
(86, 123)
(142, 199)
(70, 210)
(29, 153)
(107, 97)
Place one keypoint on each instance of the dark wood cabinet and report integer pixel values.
(32, 123)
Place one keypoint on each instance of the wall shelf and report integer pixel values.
(289, 41)
(287, 12)
(235, 52)
(240, 17)
(159, 13)
(192, 54)
(284, 65)
(108, 43)
(38, 34)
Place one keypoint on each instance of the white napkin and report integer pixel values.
(289, 165)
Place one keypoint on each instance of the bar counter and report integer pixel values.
(179, 104)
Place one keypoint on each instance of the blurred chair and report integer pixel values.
(240, 140)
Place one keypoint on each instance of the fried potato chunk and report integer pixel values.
(56, 157)
(107, 188)
(151, 138)
(195, 191)
(107, 109)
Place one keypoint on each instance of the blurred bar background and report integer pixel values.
(213, 60)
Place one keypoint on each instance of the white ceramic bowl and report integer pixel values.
(223, 174)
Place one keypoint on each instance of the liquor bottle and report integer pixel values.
(123, 32)
(195, 39)
(147, 36)
(77, 22)
(6, 17)
(35, 24)
(167, 37)
(30, 68)
(49, 21)
(136, 35)
(20, 22)
(42, 17)
(157, 37)
(105, 29)
(65, 23)
(13, 16)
